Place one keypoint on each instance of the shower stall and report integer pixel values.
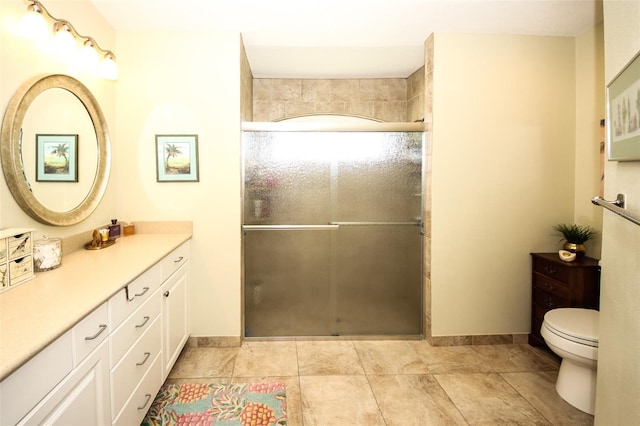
(332, 230)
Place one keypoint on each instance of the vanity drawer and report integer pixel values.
(89, 333)
(175, 260)
(551, 269)
(141, 398)
(557, 288)
(133, 327)
(126, 375)
(134, 295)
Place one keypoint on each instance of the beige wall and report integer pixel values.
(165, 88)
(618, 389)
(503, 168)
(590, 109)
(22, 59)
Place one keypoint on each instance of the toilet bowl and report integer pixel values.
(572, 334)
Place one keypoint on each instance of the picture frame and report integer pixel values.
(623, 114)
(56, 158)
(177, 158)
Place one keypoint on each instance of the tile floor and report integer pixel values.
(393, 382)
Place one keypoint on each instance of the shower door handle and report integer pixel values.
(329, 227)
(375, 223)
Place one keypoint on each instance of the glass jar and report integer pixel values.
(47, 254)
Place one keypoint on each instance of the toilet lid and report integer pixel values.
(575, 324)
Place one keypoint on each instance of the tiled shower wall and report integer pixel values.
(427, 92)
(246, 87)
(383, 99)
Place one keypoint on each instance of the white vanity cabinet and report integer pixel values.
(81, 399)
(66, 383)
(108, 368)
(175, 315)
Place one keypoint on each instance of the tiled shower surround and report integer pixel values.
(383, 99)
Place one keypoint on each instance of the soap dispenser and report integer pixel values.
(114, 229)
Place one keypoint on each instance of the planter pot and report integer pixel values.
(578, 249)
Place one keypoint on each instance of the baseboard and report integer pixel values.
(214, 341)
(488, 339)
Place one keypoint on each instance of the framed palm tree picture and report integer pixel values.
(56, 158)
(177, 158)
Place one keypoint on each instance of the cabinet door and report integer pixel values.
(82, 398)
(175, 323)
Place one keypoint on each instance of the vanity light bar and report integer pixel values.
(34, 26)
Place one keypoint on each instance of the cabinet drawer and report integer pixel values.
(134, 294)
(20, 270)
(550, 269)
(133, 327)
(23, 389)
(548, 300)
(3, 249)
(89, 333)
(4, 277)
(557, 288)
(142, 397)
(19, 245)
(174, 260)
(538, 311)
(126, 375)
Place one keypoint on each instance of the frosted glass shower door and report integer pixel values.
(332, 233)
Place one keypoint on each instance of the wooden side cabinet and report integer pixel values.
(558, 284)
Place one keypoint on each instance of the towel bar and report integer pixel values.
(617, 206)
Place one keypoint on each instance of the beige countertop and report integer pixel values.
(35, 313)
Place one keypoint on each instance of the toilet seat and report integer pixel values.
(574, 324)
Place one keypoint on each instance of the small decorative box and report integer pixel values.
(16, 257)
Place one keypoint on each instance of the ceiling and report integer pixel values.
(349, 38)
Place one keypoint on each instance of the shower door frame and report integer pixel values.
(283, 126)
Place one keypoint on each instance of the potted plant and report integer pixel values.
(575, 236)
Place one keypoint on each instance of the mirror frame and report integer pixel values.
(10, 140)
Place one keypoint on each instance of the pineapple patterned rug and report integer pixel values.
(231, 404)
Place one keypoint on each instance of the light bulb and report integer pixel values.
(63, 41)
(33, 25)
(89, 56)
(108, 67)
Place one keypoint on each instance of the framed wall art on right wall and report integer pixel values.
(623, 114)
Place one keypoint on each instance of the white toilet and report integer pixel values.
(572, 333)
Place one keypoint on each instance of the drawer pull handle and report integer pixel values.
(549, 302)
(144, 290)
(146, 357)
(550, 270)
(146, 319)
(103, 327)
(179, 259)
(126, 292)
(148, 395)
(548, 285)
(130, 299)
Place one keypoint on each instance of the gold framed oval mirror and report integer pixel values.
(18, 163)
